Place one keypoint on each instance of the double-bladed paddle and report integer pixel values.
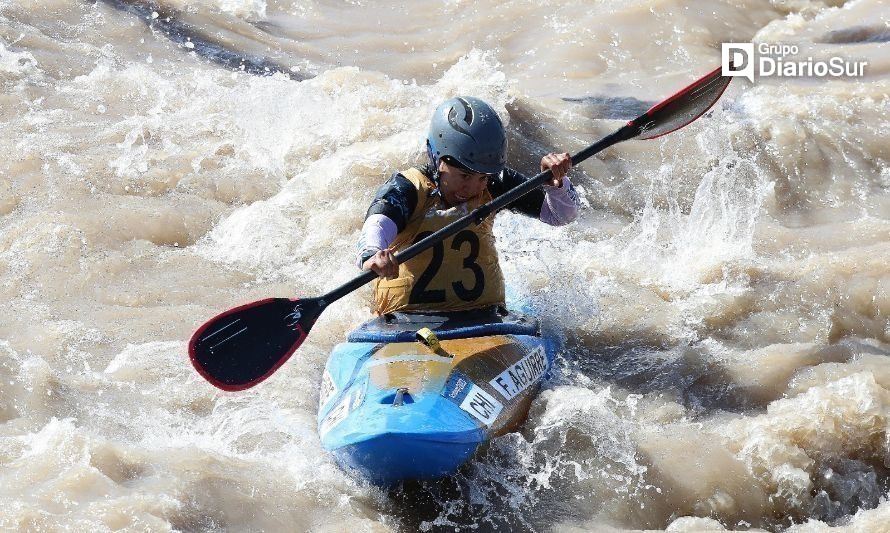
(243, 346)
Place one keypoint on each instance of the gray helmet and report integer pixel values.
(469, 131)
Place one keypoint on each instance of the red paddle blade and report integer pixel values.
(245, 345)
(683, 107)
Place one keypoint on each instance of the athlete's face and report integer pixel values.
(458, 185)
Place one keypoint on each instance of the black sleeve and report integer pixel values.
(529, 205)
(396, 199)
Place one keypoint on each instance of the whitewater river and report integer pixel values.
(723, 298)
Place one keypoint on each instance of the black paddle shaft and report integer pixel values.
(629, 131)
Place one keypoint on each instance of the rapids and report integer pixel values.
(723, 300)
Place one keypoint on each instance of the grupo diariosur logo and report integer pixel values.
(783, 61)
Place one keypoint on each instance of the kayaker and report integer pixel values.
(466, 168)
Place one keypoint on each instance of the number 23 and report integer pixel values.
(420, 294)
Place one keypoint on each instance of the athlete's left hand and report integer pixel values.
(559, 164)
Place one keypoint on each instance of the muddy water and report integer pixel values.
(723, 299)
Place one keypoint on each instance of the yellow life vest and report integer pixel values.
(460, 273)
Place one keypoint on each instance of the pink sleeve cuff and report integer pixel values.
(378, 232)
(560, 204)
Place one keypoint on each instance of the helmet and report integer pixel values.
(468, 130)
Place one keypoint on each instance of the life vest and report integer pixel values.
(460, 273)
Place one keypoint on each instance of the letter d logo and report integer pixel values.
(737, 59)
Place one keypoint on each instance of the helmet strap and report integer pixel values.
(433, 161)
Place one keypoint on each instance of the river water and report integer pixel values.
(723, 299)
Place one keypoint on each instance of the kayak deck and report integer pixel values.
(395, 410)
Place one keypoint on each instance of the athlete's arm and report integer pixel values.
(388, 214)
(395, 199)
(553, 205)
(378, 232)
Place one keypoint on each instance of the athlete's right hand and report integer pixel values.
(384, 264)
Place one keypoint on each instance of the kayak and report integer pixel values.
(413, 396)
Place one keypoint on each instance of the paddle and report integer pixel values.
(243, 346)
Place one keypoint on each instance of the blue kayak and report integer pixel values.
(396, 406)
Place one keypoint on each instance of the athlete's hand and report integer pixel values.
(559, 164)
(384, 264)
